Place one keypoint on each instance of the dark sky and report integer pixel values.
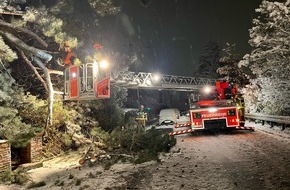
(170, 35)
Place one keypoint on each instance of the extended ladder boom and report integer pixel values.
(155, 81)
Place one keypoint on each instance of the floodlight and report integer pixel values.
(156, 77)
(104, 64)
(207, 89)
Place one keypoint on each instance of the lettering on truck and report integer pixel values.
(210, 115)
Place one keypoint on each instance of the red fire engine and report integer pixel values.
(88, 81)
(218, 108)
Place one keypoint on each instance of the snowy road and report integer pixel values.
(235, 160)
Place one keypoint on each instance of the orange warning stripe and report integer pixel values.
(245, 128)
(182, 125)
(181, 132)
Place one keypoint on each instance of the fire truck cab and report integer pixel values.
(88, 81)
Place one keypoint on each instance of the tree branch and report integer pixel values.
(34, 70)
(17, 13)
(58, 92)
(5, 25)
(50, 89)
(55, 72)
(26, 48)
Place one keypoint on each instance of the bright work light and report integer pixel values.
(104, 64)
(207, 89)
(156, 77)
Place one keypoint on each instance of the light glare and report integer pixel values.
(74, 75)
(156, 77)
(207, 89)
(104, 64)
(211, 110)
(148, 82)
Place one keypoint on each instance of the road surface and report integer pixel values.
(219, 161)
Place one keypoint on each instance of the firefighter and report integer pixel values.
(141, 117)
(68, 57)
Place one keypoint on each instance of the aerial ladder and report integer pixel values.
(92, 81)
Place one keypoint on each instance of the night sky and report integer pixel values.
(170, 35)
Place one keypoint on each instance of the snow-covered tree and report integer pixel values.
(270, 57)
(209, 61)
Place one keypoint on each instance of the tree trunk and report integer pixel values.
(50, 90)
(50, 100)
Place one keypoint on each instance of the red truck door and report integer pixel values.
(73, 82)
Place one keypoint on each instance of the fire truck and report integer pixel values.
(219, 107)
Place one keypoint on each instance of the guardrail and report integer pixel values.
(284, 120)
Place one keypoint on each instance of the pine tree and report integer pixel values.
(48, 22)
(229, 68)
(209, 61)
(269, 60)
(12, 128)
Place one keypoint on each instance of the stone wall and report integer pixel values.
(5, 156)
(32, 152)
(28, 154)
(36, 149)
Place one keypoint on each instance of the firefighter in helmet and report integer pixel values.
(141, 117)
(68, 58)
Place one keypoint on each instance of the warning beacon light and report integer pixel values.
(88, 81)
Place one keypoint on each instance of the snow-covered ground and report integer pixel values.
(275, 131)
(237, 160)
